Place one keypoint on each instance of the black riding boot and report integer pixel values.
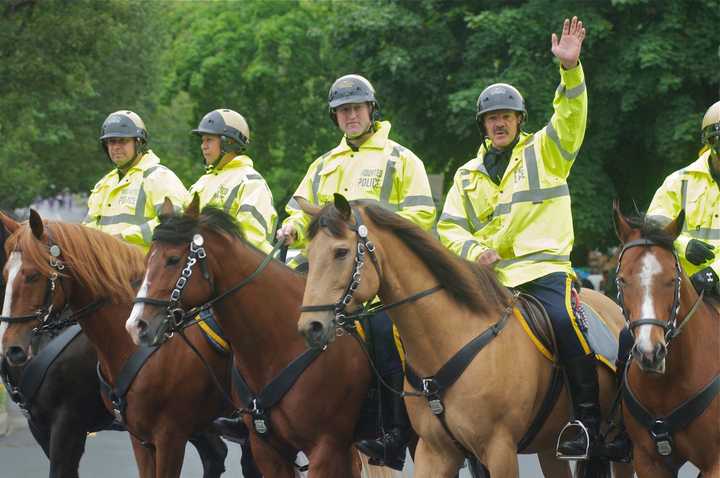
(233, 429)
(389, 450)
(583, 381)
(618, 447)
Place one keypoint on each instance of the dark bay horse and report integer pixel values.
(489, 408)
(319, 413)
(93, 271)
(67, 405)
(673, 379)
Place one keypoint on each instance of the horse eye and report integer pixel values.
(173, 260)
(32, 277)
(341, 253)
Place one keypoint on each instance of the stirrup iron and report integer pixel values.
(576, 428)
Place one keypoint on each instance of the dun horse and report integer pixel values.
(443, 303)
(318, 414)
(672, 395)
(91, 271)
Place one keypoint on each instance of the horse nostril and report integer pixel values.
(660, 351)
(141, 326)
(316, 328)
(16, 355)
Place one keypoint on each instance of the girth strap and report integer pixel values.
(34, 372)
(273, 392)
(551, 396)
(662, 429)
(125, 378)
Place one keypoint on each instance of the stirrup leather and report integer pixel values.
(575, 428)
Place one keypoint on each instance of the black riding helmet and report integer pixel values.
(352, 89)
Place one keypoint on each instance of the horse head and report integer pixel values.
(34, 290)
(649, 281)
(167, 290)
(338, 255)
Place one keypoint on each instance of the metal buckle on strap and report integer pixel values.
(260, 422)
(431, 390)
(660, 433)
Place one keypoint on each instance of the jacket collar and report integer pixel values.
(700, 165)
(146, 161)
(377, 141)
(240, 161)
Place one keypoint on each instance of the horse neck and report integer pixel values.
(105, 328)
(690, 355)
(260, 319)
(434, 327)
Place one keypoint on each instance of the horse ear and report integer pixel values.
(306, 206)
(193, 209)
(342, 205)
(8, 223)
(675, 227)
(167, 208)
(36, 224)
(623, 229)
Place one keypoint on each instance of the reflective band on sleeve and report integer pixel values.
(552, 134)
(573, 92)
(467, 245)
(417, 201)
(316, 182)
(231, 198)
(535, 196)
(683, 200)
(457, 220)
(535, 257)
(253, 176)
(387, 184)
(255, 213)
(704, 233)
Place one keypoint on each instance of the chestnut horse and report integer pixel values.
(319, 412)
(672, 394)
(92, 271)
(442, 303)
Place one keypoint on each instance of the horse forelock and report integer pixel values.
(180, 229)
(468, 283)
(105, 266)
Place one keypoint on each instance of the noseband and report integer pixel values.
(671, 327)
(342, 320)
(176, 317)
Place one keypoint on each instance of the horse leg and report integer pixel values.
(501, 454)
(432, 463)
(212, 450)
(552, 467)
(329, 459)
(269, 461)
(42, 436)
(144, 458)
(624, 470)
(646, 466)
(67, 445)
(169, 454)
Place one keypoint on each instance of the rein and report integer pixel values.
(344, 322)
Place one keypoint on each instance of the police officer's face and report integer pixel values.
(502, 126)
(121, 150)
(353, 119)
(210, 148)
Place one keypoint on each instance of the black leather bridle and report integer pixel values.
(176, 317)
(342, 320)
(672, 327)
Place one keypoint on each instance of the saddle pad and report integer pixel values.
(599, 337)
(212, 331)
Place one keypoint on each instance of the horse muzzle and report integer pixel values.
(652, 359)
(317, 333)
(17, 356)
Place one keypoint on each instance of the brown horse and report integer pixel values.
(92, 271)
(449, 303)
(319, 413)
(675, 357)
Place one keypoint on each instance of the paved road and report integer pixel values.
(108, 455)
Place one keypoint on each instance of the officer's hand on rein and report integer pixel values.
(699, 252)
(287, 234)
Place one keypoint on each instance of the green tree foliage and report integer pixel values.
(652, 69)
(64, 67)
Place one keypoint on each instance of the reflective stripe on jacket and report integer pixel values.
(239, 190)
(380, 170)
(129, 206)
(527, 217)
(694, 190)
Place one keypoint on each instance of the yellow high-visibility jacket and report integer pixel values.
(380, 170)
(527, 217)
(694, 190)
(239, 190)
(129, 206)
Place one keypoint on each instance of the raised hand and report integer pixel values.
(567, 49)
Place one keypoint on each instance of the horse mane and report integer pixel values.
(467, 282)
(652, 230)
(180, 229)
(105, 266)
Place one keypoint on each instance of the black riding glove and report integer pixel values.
(706, 280)
(698, 252)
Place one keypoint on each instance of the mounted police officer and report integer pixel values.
(367, 165)
(230, 182)
(509, 208)
(695, 189)
(126, 201)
